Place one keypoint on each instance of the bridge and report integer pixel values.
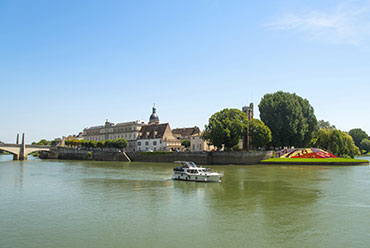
(20, 151)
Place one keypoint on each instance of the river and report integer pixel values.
(53, 203)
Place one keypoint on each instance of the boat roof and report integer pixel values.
(188, 164)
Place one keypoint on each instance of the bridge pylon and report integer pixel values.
(22, 154)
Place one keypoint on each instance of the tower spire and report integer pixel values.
(154, 119)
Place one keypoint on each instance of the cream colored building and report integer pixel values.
(127, 130)
(157, 137)
(197, 144)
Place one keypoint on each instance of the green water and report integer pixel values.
(113, 204)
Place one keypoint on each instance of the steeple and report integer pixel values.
(154, 119)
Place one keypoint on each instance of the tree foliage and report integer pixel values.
(325, 125)
(100, 144)
(185, 143)
(260, 134)
(117, 143)
(358, 135)
(120, 143)
(42, 142)
(55, 142)
(337, 142)
(226, 128)
(290, 118)
(365, 145)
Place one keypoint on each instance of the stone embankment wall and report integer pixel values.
(76, 154)
(204, 157)
(241, 157)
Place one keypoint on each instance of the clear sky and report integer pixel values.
(66, 65)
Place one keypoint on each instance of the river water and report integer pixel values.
(50, 203)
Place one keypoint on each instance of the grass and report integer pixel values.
(316, 160)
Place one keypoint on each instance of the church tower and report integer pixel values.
(154, 119)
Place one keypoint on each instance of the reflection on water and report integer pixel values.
(112, 204)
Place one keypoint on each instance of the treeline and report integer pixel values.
(361, 139)
(117, 143)
(45, 142)
(287, 120)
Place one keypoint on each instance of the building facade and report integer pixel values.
(126, 130)
(249, 110)
(197, 144)
(140, 136)
(157, 137)
(186, 132)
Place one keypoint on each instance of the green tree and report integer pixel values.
(43, 142)
(55, 142)
(260, 134)
(358, 135)
(325, 125)
(226, 128)
(120, 143)
(365, 145)
(101, 144)
(290, 117)
(92, 143)
(76, 142)
(109, 143)
(185, 143)
(337, 142)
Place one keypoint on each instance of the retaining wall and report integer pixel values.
(241, 157)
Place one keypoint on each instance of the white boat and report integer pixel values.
(189, 171)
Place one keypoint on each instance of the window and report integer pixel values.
(146, 143)
(154, 143)
(160, 141)
(139, 143)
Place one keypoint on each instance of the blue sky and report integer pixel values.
(67, 65)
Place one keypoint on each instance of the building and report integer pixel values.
(197, 144)
(249, 110)
(157, 137)
(154, 118)
(140, 136)
(186, 132)
(127, 130)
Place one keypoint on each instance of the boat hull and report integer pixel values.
(197, 178)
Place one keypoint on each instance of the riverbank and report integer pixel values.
(316, 161)
(211, 158)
